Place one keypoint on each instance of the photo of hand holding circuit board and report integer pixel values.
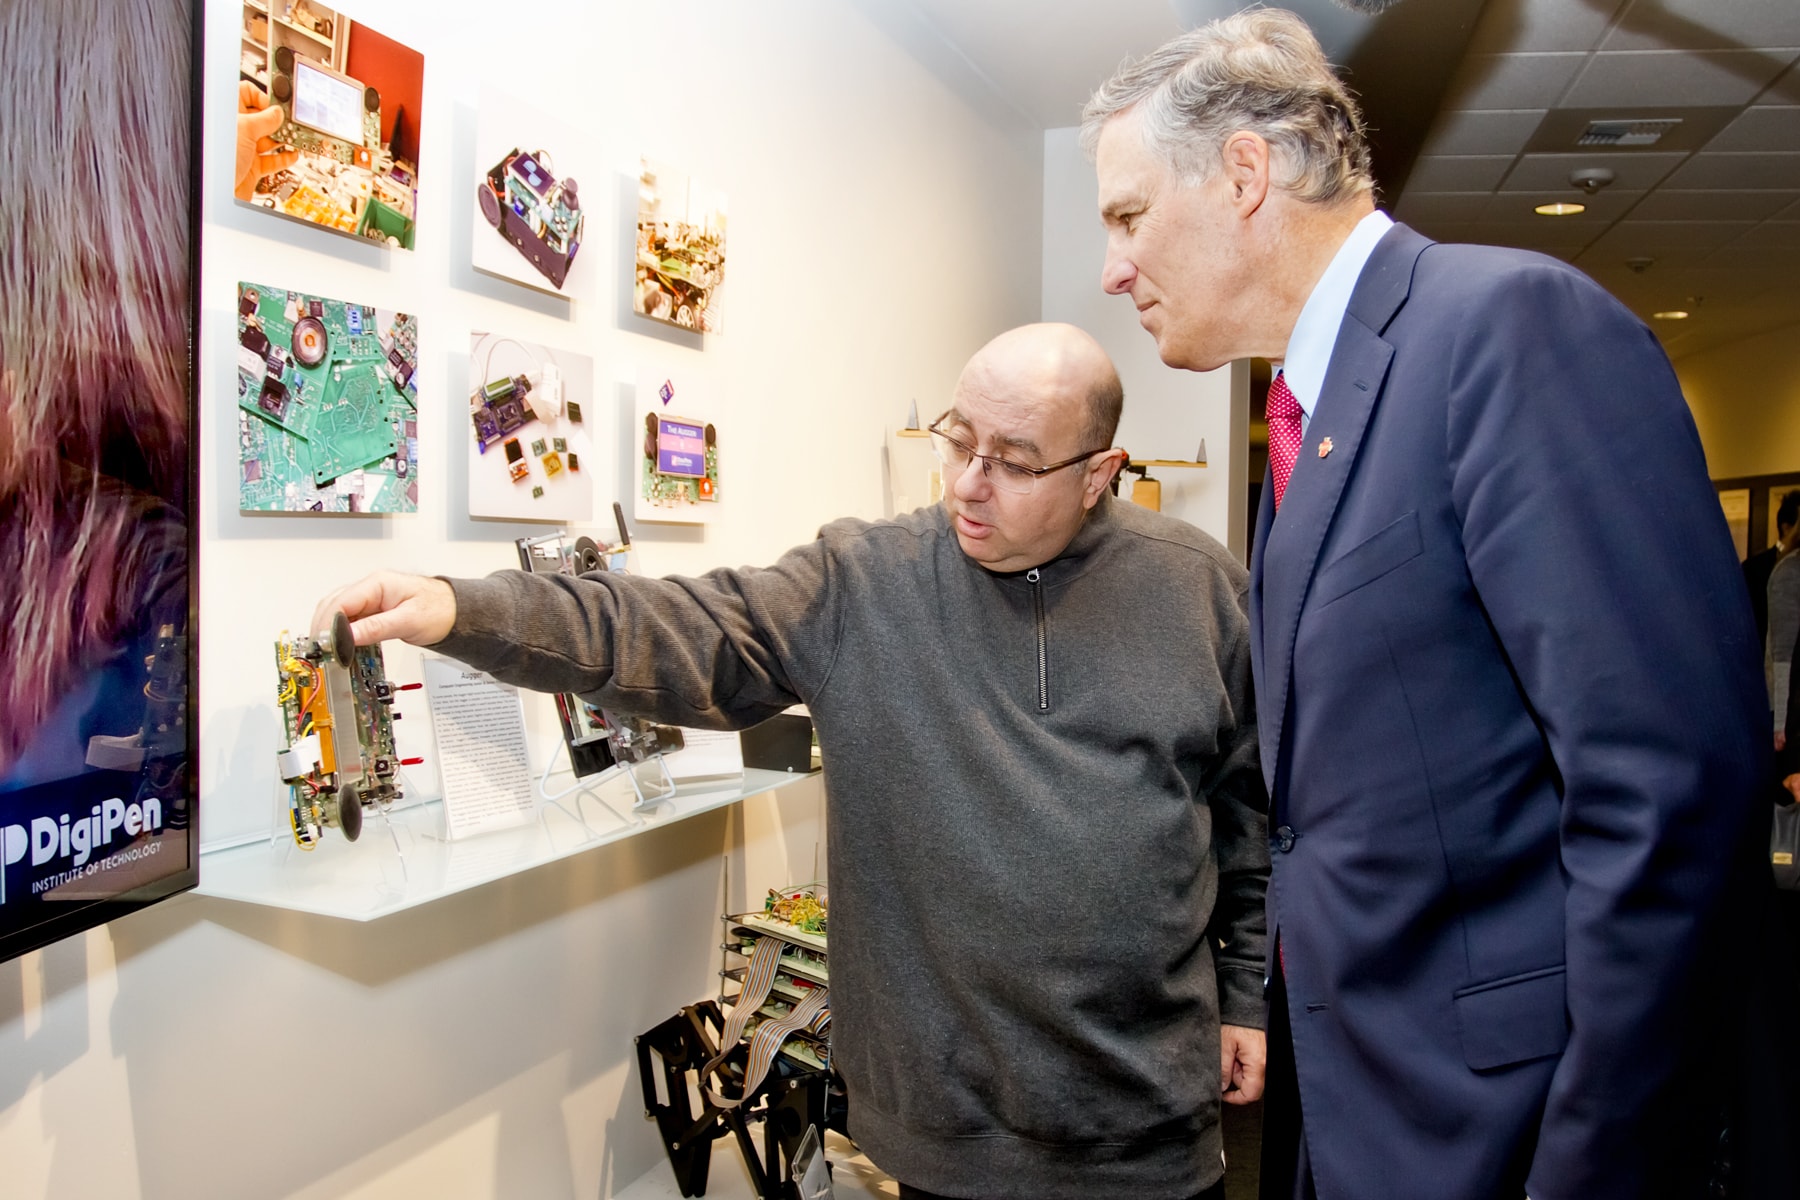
(327, 404)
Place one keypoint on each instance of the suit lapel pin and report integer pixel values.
(1324, 447)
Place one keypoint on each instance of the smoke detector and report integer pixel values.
(1590, 179)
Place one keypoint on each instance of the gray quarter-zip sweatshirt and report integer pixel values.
(1046, 821)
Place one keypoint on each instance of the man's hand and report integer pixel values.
(1243, 1054)
(1792, 784)
(387, 604)
(257, 153)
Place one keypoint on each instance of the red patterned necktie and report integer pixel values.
(1284, 434)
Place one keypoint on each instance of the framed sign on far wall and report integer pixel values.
(1750, 502)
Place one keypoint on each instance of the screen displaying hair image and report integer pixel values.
(327, 404)
(680, 274)
(328, 122)
(96, 473)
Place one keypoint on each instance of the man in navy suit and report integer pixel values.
(1508, 686)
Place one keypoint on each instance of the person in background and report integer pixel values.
(1758, 566)
(1781, 609)
(1510, 727)
(1046, 827)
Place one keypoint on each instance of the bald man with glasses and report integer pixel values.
(1046, 822)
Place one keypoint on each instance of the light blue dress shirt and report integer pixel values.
(1315, 333)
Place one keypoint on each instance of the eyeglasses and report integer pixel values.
(1003, 473)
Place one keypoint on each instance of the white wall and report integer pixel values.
(885, 221)
(1167, 412)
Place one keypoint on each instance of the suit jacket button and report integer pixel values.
(1284, 838)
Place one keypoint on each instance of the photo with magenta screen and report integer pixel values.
(96, 466)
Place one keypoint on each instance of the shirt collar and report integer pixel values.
(1315, 333)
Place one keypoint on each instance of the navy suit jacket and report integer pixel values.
(1512, 724)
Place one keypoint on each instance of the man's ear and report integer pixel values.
(1245, 160)
(1100, 474)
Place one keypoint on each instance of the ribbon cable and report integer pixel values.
(812, 1014)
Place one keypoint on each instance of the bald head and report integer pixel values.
(1058, 369)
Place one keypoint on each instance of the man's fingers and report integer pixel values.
(1250, 1079)
(262, 123)
(250, 97)
(354, 600)
(276, 160)
(389, 606)
(1243, 1053)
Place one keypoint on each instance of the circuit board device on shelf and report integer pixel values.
(596, 738)
(337, 714)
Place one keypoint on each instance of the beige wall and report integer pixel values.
(1746, 401)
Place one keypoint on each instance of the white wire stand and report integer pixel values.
(286, 848)
(663, 784)
(584, 787)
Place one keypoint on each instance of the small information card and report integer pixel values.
(479, 726)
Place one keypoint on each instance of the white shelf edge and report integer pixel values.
(371, 879)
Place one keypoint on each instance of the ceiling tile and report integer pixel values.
(1763, 127)
(1632, 172)
(1602, 209)
(1669, 204)
(1484, 131)
(1704, 78)
(1538, 234)
(1785, 90)
(1419, 209)
(1705, 25)
(1740, 259)
(1458, 173)
(1517, 25)
(1772, 235)
(1776, 172)
(1512, 80)
(1668, 242)
(1561, 130)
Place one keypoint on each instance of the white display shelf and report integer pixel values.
(387, 871)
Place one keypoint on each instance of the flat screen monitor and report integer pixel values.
(327, 102)
(97, 474)
(680, 448)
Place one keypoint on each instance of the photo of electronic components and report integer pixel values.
(529, 452)
(328, 121)
(530, 169)
(678, 463)
(680, 271)
(338, 720)
(327, 404)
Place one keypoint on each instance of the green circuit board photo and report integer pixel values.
(327, 404)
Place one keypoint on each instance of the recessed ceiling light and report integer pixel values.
(1674, 314)
(1559, 209)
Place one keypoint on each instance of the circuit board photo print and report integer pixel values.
(327, 404)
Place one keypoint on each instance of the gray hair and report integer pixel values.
(1259, 70)
(1105, 402)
